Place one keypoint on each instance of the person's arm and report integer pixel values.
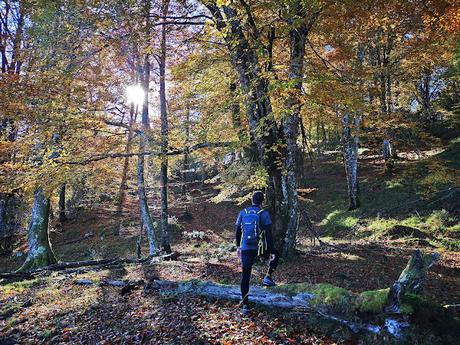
(238, 231)
(268, 231)
(238, 235)
(269, 237)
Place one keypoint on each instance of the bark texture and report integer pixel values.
(124, 174)
(165, 244)
(254, 87)
(146, 218)
(290, 125)
(40, 252)
(62, 209)
(350, 145)
(411, 280)
(386, 148)
(8, 222)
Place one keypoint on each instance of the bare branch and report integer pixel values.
(172, 152)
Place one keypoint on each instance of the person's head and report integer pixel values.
(257, 198)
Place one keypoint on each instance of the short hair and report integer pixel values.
(258, 198)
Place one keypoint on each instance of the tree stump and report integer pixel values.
(411, 279)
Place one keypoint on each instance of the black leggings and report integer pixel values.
(247, 259)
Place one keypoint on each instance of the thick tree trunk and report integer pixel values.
(165, 244)
(258, 109)
(350, 141)
(40, 252)
(62, 209)
(290, 125)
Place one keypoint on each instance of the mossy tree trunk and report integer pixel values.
(40, 253)
(411, 279)
(337, 310)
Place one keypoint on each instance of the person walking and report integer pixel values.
(254, 239)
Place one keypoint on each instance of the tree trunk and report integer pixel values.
(185, 163)
(290, 125)
(165, 244)
(40, 252)
(124, 175)
(411, 279)
(387, 150)
(350, 140)
(6, 224)
(254, 86)
(146, 218)
(62, 210)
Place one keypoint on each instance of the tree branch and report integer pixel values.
(172, 152)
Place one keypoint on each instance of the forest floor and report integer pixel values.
(53, 309)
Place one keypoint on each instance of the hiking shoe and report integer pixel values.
(245, 309)
(268, 281)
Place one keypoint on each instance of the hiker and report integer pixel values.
(254, 239)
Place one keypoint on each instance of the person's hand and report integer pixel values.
(238, 253)
(272, 257)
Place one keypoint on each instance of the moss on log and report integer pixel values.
(325, 306)
(411, 279)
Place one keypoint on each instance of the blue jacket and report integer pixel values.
(265, 224)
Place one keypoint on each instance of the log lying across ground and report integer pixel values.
(399, 313)
(87, 263)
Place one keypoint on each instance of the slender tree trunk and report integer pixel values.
(8, 202)
(6, 228)
(15, 65)
(146, 218)
(305, 146)
(62, 209)
(124, 175)
(350, 141)
(165, 244)
(185, 164)
(387, 149)
(3, 220)
(40, 253)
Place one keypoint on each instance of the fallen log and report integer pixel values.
(88, 263)
(125, 285)
(325, 306)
